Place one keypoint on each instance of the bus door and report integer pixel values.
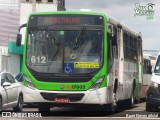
(113, 66)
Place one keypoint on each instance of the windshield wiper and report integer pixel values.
(79, 38)
(55, 41)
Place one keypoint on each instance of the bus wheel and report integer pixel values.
(130, 102)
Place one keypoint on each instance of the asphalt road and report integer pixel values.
(31, 113)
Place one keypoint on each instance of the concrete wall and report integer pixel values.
(40, 7)
(14, 64)
(9, 21)
(9, 62)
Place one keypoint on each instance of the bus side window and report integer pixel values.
(115, 47)
(139, 48)
(125, 45)
(110, 51)
(135, 53)
(132, 49)
(147, 68)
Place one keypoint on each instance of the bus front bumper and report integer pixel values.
(98, 96)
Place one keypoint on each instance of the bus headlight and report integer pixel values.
(29, 83)
(97, 84)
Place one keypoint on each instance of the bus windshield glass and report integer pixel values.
(65, 48)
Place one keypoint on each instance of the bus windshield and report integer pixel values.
(68, 51)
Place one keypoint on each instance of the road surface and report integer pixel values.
(31, 113)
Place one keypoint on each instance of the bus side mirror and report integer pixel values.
(19, 39)
(19, 36)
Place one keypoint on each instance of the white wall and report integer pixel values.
(14, 64)
(4, 65)
(9, 62)
(9, 21)
(26, 9)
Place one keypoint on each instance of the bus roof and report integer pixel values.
(116, 22)
(69, 12)
(149, 56)
(146, 56)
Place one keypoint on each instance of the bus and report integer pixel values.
(148, 63)
(80, 58)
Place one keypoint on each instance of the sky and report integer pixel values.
(123, 11)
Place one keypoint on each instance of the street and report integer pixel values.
(138, 112)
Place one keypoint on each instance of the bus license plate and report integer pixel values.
(62, 100)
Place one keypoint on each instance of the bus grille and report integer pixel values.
(72, 97)
(63, 79)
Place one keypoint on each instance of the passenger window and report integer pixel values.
(125, 44)
(10, 78)
(147, 66)
(115, 47)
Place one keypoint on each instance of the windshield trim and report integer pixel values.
(60, 27)
(93, 72)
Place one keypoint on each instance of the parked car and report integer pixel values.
(153, 92)
(10, 92)
(19, 78)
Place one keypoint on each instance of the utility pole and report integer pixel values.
(61, 5)
(34, 6)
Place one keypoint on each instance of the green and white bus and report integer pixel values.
(80, 58)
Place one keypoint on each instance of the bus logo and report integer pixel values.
(62, 87)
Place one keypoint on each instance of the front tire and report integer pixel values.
(19, 106)
(130, 102)
(113, 105)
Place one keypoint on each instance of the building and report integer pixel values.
(9, 23)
